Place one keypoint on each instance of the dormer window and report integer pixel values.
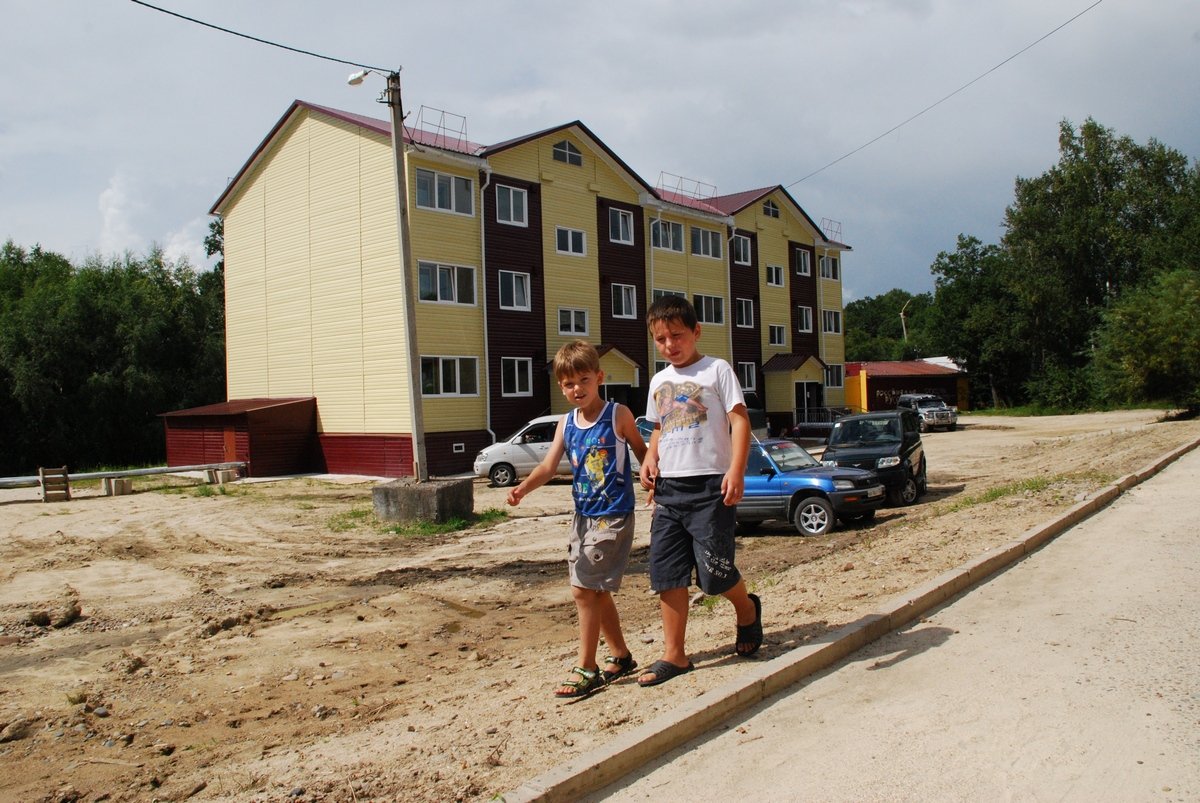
(770, 209)
(566, 152)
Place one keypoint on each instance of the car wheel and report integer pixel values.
(503, 474)
(813, 516)
(906, 494)
(922, 480)
(953, 427)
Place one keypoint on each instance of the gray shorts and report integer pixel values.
(598, 551)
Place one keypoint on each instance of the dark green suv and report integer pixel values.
(886, 442)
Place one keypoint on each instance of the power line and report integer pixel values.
(944, 99)
(384, 70)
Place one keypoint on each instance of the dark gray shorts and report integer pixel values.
(692, 530)
(598, 551)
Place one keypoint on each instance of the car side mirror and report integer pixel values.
(767, 471)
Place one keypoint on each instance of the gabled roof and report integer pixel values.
(699, 204)
(736, 202)
(791, 362)
(900, 368)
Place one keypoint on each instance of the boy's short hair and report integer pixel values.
(672, 308)
(575, 358)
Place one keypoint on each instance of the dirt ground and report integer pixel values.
(271, 641)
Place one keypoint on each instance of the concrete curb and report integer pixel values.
(606, 764)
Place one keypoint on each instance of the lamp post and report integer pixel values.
(391, 97)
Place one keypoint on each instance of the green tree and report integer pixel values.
(874, 330)
(1148, 346)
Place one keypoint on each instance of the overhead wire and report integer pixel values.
(939, 102)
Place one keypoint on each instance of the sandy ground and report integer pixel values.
(274, 642)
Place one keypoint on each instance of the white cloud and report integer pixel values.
(188, 243)
(118, 206)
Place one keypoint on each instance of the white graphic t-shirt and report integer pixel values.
(691, 406)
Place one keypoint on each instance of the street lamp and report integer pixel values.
(391, 97)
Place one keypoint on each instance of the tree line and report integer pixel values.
(90, 354)
(1091, 297)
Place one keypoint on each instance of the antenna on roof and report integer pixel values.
(449, 130)
(687, 187)
(832, 229)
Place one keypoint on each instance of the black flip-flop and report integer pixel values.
(664, 671)
(751, 633)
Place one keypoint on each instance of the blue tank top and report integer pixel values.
(603, 483)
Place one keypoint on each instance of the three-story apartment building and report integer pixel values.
(518, 247)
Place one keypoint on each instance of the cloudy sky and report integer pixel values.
(120, 125)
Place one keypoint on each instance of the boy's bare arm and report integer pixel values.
(627, 429)
(544, 470)
(649, 468)
(734, 482)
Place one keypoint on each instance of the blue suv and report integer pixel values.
(783, 481)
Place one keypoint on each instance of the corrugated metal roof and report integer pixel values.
(236, 406)
(791, 362)
(901, 368)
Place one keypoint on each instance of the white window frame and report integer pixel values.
(804, 263)
(709, 309)
(775, 275)
(659, 292)
(455, 272)
(776, 335)
(770, 208)
(513, 277)
(804, 318)
(835, 375)
(660, 365)
(743, 315)
(573, 330)
(513, 194)
(573, 236)
(831, 321)
(623, 219)
(742, 254)
(747, 375)
(447, 187)
(706, 242)
(565, 151)
(830, 268)
(459, 365)
(674, 239)
(520, 371)
(627, 296)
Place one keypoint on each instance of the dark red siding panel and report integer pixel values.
(441, 455)
(514, 333)
(621, 263)
(375, 455)
(802, 292)
(282, 440)
(744, 283)
(272, 438)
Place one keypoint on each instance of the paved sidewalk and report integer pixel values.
(1073, 675)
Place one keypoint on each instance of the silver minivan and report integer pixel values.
(506, 461)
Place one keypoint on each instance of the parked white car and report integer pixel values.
(506, 461)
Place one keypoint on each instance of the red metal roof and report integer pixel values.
(900, 368)
(236, 406)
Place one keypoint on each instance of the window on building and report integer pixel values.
(660, 365)
(449, 376)
(444, 192)
(659, 293)
(511, 205)
(803, 263)
(710, 309)
(743, 313)
(804, 319)
(666, 234)
(775, 275)
(776, 335)
(741, 249)
(572, 321)
(516, 376)
(747, 373)
(706, 243)
(565, 151)
(831, 321)
(620, 226)
(447, 284)
(624, 301)
(770, 209)
(514, 290)
(829, 268)
(834, 376)
(570, 241)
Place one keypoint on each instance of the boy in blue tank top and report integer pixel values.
(597, 435)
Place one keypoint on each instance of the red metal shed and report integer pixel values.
(273, 436)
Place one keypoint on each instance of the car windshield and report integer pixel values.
(930, 403)
(789, 456)
(865, 431)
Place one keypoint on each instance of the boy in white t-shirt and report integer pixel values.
(696, 465)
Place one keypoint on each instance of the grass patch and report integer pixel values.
(420, 528)
(1031, 485)
(351, 519)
